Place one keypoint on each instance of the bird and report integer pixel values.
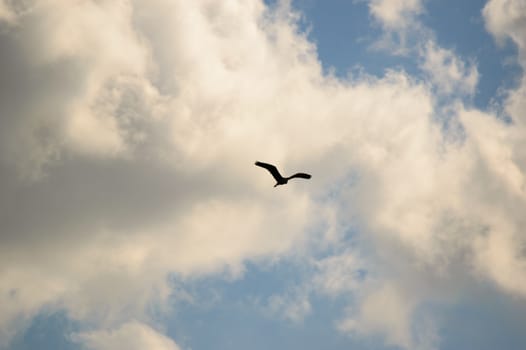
(280, 180)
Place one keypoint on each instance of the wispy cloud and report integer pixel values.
(448, 72)
(395, 14)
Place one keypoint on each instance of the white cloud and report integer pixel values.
(142, 120)
(447, 72)
(501, 253)
(130, 336)
(395, 14)
(118, 62)
(507, 19)
(384, 311)
(338, 274)
(400, 24)
(173, 197)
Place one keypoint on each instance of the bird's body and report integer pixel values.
(280, 180)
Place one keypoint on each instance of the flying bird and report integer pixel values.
(280, 180)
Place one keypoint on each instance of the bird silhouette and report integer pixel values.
(280, 180)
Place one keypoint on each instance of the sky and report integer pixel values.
(133, 217)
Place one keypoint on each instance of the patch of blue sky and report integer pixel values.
(257, 279)
(47, 331)
(237, 319)
(344, 34)
(484, 320)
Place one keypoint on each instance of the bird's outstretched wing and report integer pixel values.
(272, 169)
(301, 175)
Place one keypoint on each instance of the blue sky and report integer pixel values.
(134, 218)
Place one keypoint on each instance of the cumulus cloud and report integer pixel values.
(129, 130)
(127, 158)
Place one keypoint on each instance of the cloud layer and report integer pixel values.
(128, 131)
